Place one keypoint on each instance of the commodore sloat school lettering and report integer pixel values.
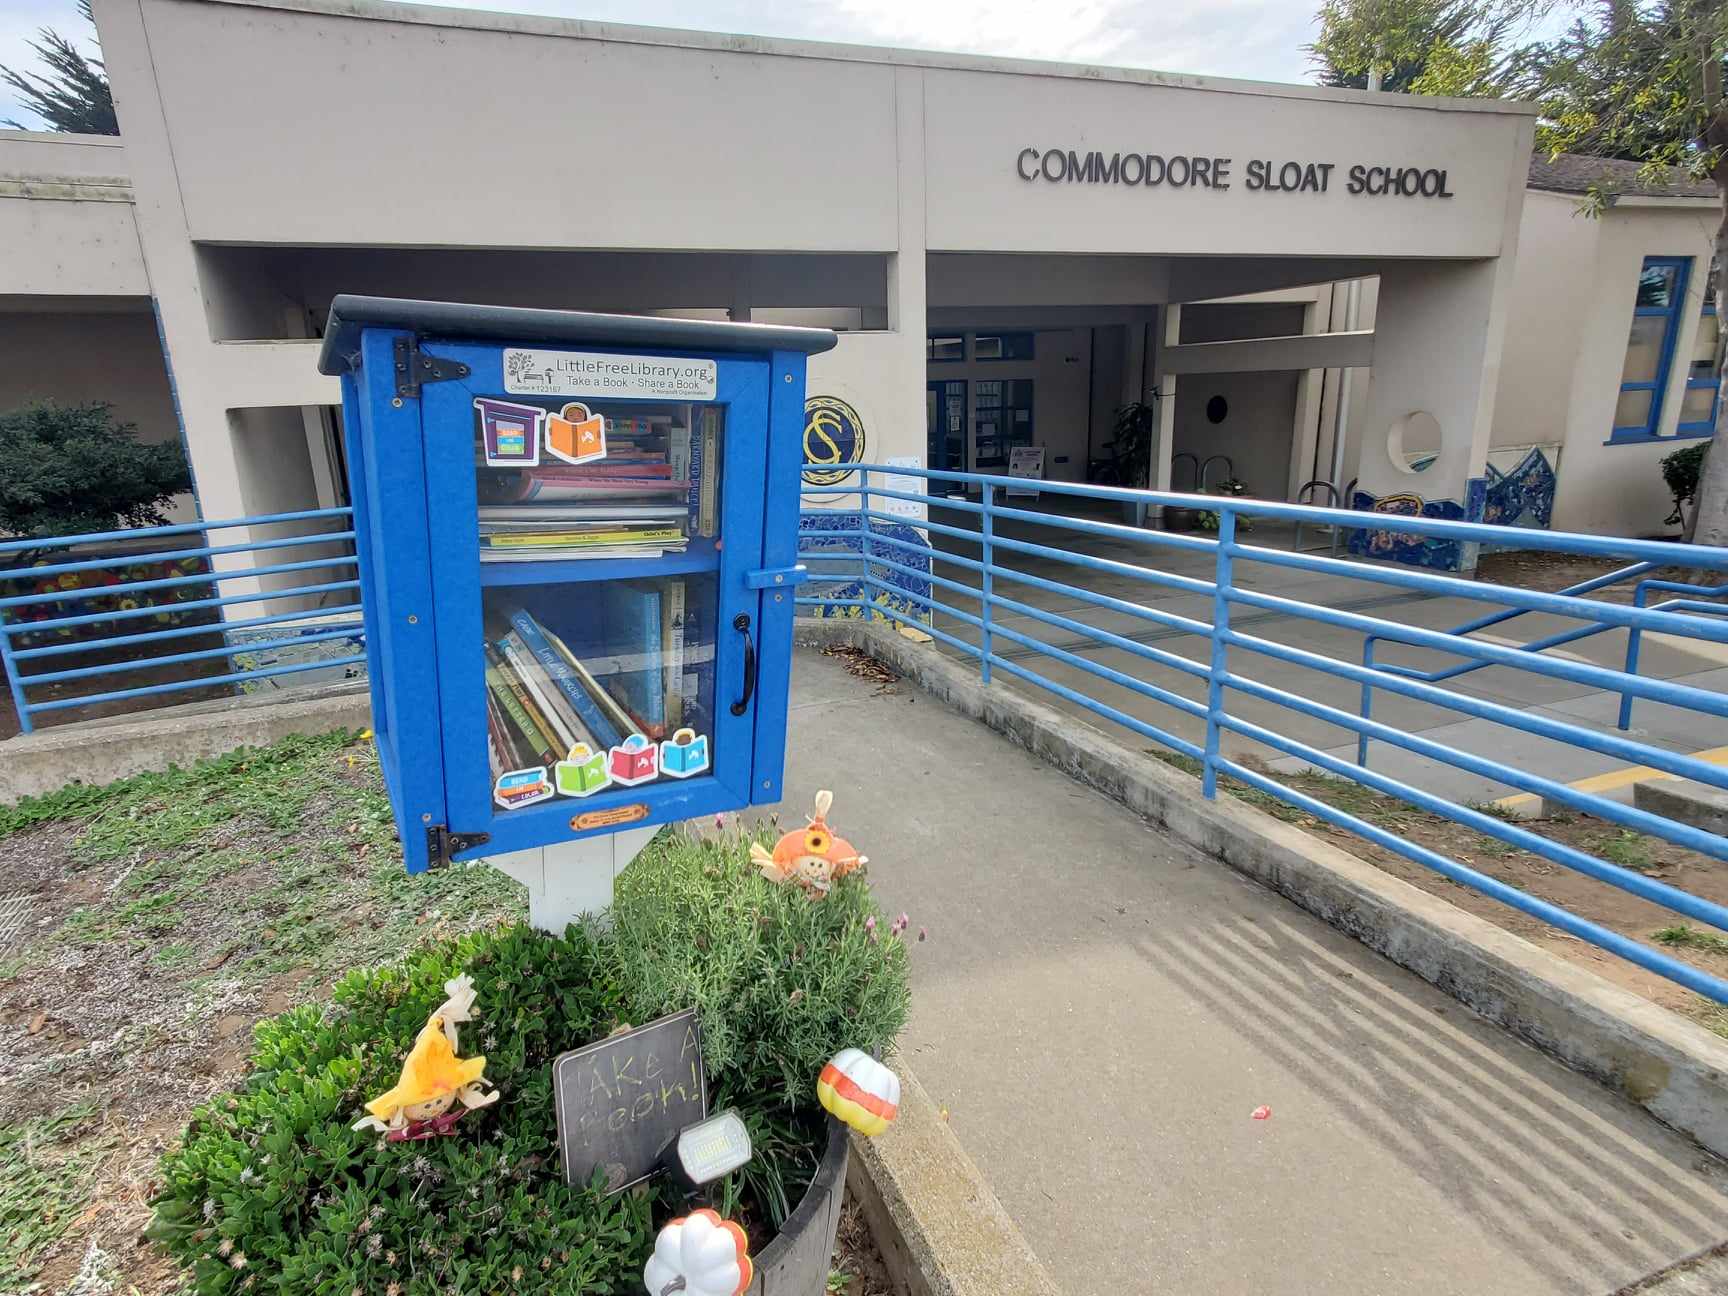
(1259, 175)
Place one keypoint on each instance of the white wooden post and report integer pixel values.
(568, 879)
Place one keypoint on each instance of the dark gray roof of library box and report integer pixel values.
(1573, 173)
(350, 314)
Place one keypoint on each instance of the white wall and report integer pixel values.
(1617, 489)
(1554, 294)
(1257, 431)
(1438, 336)
(74, 357)
(66, 223)
(980, 122)
(407, 129)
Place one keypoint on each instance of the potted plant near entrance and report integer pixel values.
(1131, 453)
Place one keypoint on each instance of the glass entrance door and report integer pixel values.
(945, 410)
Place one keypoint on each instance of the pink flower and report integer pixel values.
(870, 923)
(720, 821)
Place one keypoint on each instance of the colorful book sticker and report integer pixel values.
(582, 773)
(510, 431)
(575, 435)
(635, 760)
(683, 754)
(521, 787)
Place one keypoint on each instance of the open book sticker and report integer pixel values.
(521, 787)
(635, 760)
(576, 435)
(684, 753)
(582, 773)
(511, 432)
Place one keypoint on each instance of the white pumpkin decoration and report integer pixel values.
(699, 1254)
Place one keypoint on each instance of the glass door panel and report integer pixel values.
(593, 614)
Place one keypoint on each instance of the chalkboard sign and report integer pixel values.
(622, 1100)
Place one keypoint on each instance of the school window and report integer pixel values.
(1003, 346)
(945, 348)
(1701, 406)
(1650, 347)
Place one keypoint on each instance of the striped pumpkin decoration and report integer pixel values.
(857, 1089)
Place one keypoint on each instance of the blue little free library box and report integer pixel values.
(578, 551)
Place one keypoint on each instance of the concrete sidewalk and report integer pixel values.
(1101, 1009)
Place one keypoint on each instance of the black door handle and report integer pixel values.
(741, 622)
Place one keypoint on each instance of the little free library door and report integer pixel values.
(611, 528)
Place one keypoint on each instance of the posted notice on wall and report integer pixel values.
(534, 372)
(906, 484)
(1028, 462)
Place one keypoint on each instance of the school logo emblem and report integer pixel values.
(833, 440)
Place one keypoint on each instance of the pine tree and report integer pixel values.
(72, 94)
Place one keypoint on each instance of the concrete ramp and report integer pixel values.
(1101, 1010)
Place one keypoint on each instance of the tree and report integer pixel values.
(1644, 82)
(73, 95)
(71, 469)
(1439, 47)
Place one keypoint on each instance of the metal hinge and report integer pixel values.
(414, 367)
(441, 844)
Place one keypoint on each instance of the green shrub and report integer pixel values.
(1681, 472)
(66, 469)
(271, 1190)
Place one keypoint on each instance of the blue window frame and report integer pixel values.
(1650, 348)
(1701, 405)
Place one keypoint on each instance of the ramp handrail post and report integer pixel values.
(984, 604)
(1366, 710)
(1634, 641)
(1220, 648)
(866, 581)
(10, 666)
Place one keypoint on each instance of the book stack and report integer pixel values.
(657, 485)
(543, 699)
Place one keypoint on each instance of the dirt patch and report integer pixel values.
(1549, 573)
(858, 1267)
(1602, 903)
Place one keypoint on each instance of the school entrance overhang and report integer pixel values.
(1258, 362)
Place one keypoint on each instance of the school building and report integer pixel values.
(1327, 295)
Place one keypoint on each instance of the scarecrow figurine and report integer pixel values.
(813, 857)
(434, 1079)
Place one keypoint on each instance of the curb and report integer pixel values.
(1673, 1068)
(938, 1225)
(101, 751)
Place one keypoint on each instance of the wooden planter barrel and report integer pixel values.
(797, 1261)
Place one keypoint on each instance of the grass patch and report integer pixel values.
(1626, 848)
(1681, 936)
(47, 1184)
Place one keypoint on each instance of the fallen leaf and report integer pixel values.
(1261, 1112)
(38, 1022)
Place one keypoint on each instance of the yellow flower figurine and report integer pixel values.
(434, 1079)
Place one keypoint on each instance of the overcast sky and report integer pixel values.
(1259, 39)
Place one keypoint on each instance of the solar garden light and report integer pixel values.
(707, 1149)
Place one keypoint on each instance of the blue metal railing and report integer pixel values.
(902, 569)
(1634, 635)
(42, 622)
